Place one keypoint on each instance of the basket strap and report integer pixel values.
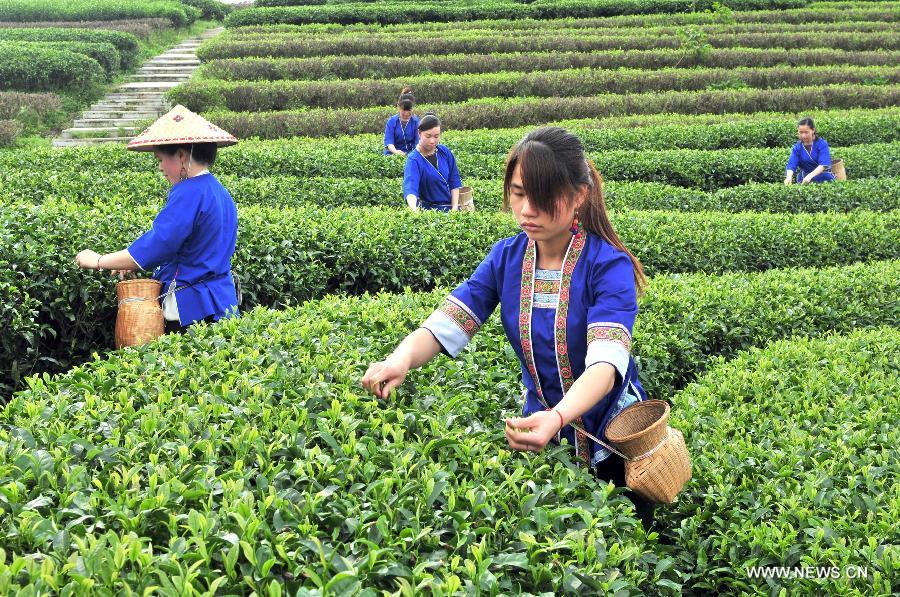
(646, 454)
(133, 299)
(190, 284)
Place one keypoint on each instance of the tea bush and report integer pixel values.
(821, 13)
(262, 96)
(790, 466)
(291, 255)
(89, 186)
(127, 44)
(210, 9)
(100, 10)
(106, 54)
(517, 112)
(291, 46)
(297, 479)
(35, 68)
(709, 170)
(382, 67)
(271, 466)
(428, 12)
(9, 131)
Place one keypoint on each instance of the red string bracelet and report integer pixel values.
(561, 422)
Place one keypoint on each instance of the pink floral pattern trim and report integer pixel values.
(466, 321)
(526, 299)
(609, 332)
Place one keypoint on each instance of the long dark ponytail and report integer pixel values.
(553, 167)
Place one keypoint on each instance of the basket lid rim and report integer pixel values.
(642, 404)
(138, 281)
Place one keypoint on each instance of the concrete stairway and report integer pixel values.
(115, 118)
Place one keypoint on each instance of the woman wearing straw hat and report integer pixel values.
(190, 245)
(567, 288)
(810, 157)
(431, 179)
(401, 133)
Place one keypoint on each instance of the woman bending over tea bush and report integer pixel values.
(567, 289)
(193, 238)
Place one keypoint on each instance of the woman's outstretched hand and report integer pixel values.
(382, 377)
(532, 433)
(88, 259)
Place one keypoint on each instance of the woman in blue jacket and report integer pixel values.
(810, 157)
(401, 133)
(431, 179)
(192, 239)
(567, 289)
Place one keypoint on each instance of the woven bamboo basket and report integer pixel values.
(662, 463)
(140, 318)
(662, 475)
(639, 428)
(837, 168)
(466, 201)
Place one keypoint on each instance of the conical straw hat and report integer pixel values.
(178, 126)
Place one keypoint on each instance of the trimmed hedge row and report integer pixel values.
(25, 67)
(490, 9)
(507, 112)
(29, 113)
(106, 55)
(267, 96)
(708, 170)
(89, 186)
(373, 67)
(100, 10)
(290, 46)
(788, 441)
(290, 255)
(804, 16)
(561, 27)
(14, 104)
(141, 28)
(840, 129)
(647, 132)
(127, 44)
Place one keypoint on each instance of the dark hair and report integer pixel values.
(204, 153)
(429, 121)
(809, 122)
(553, 167)
(407, 99)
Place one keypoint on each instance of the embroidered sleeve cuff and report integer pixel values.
(608, 343)
(453, 325)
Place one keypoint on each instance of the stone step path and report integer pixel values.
(116, 117)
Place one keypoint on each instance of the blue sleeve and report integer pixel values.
(416, 132)
(455, 181)
(470, 304)
(824, 157)
(794, 160)
(389, 133)
(411, 177)
(170, 229)
(611, 315)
